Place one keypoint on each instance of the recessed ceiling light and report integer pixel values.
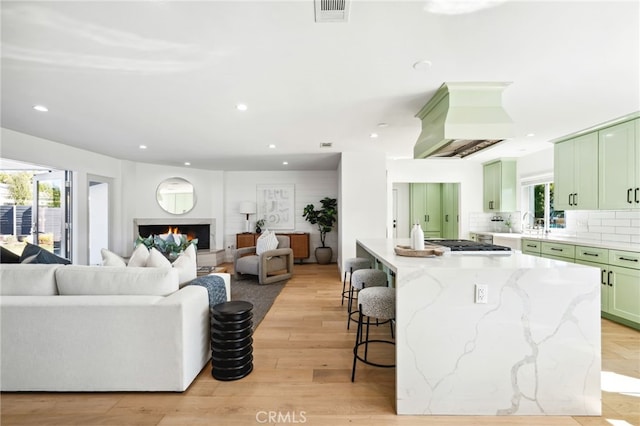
(383, 125)
(186, 163)
(40, 108)
(530, 135)
(142, 147)
(285, 163)
(272, 146)
(423, 65)
(373, 135)
(241, 107)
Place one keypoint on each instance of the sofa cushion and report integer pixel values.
(28, 280)
(7, 256)
(109, 258)
(186, 265)
(139, 256)
(36, 254)
(96, 280)
(157, 259)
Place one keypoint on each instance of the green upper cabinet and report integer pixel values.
(576, 173)
(450, 211)
(426, 207)
(619, 161)
(499, 186)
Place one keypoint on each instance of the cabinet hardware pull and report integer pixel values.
(570, 199)
(586, 253)
(635, 195)
(427, 218)
(556, 249)
(531, 245)
(602, 277)
(609, 278)
(446, 218)
(629, 195)
(575, 198)
(627, 259)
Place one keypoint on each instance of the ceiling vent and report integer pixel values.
(332, 10)
(326, 144)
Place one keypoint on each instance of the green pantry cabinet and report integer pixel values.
(619, 275)
(435, 207)
(599, 168)
(499, 194)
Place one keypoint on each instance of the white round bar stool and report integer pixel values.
(351, 265)
(378, 303)
(360, 279)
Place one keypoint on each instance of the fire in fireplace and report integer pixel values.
(199, 231)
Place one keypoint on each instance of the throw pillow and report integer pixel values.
(157, 259)
(109, 258)
(40, 255)
(7, 256)
(139, 256)
(186, 264)
(266, 241)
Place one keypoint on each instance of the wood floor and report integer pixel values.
(302, 369)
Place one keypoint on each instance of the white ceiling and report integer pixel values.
(168, 74)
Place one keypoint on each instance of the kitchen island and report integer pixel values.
(532, 349)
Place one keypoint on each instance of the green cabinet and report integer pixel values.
(450, 216)
(566, 252)
(531, 247)
(426, 207)
(624, 293)
(499, 184)
(576, 173)
(619, 162)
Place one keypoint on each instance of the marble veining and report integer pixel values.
(533, 349)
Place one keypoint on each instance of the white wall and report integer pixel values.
(208, 186)
(310, 187)
(363, 202)
(467, 174)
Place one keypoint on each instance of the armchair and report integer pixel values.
(270, 267)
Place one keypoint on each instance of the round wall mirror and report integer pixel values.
(176, 195)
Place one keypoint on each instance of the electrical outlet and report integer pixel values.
(482, 293)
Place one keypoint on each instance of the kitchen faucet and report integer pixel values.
(524, 217)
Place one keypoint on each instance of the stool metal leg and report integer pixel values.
(355, 347)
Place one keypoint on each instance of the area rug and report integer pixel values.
(261, 296)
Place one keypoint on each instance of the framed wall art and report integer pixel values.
(276, 205)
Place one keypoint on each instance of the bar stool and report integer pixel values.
(351, 265)
(378, 303)
(360, 279)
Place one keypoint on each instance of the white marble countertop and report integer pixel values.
(383, 249)
(567, 239)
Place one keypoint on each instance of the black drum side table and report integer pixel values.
(231, 340)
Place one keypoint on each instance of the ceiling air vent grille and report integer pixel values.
(332, 10)
(326, 144)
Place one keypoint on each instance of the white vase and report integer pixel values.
(418, 238)
(412, 235)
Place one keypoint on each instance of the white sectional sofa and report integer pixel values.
(90, 328)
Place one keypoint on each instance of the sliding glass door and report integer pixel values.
(51, 218)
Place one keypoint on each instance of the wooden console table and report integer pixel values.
(299, 242)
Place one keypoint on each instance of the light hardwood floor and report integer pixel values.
(302, 368)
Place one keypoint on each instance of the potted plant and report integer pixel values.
(325, 218)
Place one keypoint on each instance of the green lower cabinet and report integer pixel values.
(604, 288)
(531, 247)
(624, 293)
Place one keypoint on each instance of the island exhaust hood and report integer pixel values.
(461, 119)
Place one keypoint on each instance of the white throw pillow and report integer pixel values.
(186, 264)
(157, 259)
(139, 256)
(109, 258)
(266, 241)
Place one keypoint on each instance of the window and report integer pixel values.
(537, 205)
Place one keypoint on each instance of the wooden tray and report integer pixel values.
(408, 251)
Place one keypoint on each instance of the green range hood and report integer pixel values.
(463, 118)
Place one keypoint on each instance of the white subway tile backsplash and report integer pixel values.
(617, 238)
(602, 215)
(594, 222)
(627, 231)
(628, 215)
(616, 222)
(603, 229)
(635, 223)
(596, 236)
(635, 239)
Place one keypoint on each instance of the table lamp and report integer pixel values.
(247, 208)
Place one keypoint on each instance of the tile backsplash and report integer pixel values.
(599, 225)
